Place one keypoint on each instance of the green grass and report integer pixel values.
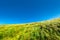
(47, 30)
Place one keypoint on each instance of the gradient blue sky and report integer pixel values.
(24, 11)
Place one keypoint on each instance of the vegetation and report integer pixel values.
(47, 30)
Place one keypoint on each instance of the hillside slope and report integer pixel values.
(47, 30)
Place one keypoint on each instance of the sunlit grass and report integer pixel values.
(48, 30)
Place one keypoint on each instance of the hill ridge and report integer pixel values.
(47, 30)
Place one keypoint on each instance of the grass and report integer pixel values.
(47, 30)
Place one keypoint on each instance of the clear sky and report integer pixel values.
(24, 11)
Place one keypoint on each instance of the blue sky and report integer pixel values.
(24, 11)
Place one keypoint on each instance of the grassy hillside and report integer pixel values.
(47, 30)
